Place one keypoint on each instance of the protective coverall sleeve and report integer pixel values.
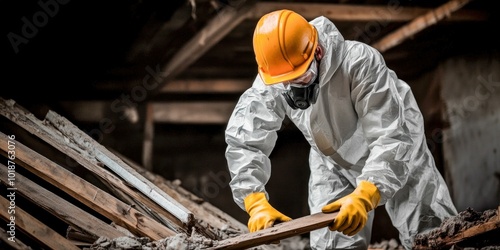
(251, 135)
(379, 100)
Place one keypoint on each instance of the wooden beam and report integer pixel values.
(90, 195)
(418, 24)
(153, 33)
(147, 144)
(79, 237)
(191, 86)
(392, 12)
(221, 24)
(193, 112)
(209, 86)
(15, 245)
(59, 207)
(30, 123)
(278, 232)
(202, 209)
(122, 169)
(33, 227)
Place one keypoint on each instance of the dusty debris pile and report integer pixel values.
(182, 241)
(192, 241)
(391, 244)
(179, 241)
(469, 230)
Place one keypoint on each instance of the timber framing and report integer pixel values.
(61, 208)
(35, 229)
(114, 204)
(223, 23)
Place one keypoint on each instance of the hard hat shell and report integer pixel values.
(284, 44)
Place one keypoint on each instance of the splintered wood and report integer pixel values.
(112, 189)
(102, 202)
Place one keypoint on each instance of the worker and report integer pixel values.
(363, 124)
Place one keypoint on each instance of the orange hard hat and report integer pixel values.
(284, 44)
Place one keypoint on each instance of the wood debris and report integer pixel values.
(106, 201)
(53, 168)
(468, 229)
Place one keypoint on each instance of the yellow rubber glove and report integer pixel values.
(262, 214)
(353, 208)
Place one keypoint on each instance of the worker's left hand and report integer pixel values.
(353, 208)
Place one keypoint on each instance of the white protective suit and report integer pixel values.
(365, 125)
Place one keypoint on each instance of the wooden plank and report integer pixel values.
(14, 245)
(193, 112)
(147, 144)
(113, 162)
(418, 24)
(392, 12)
(191, 86)
(90, 195)
(60, 208)
(34, 228)
(201, 209)
(127, 198)
(278, 232)
(78, 237)
(209, 86)
(30, 123)
(213, 32)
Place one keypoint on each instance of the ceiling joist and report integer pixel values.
(345, 12)
(212, 86)
(225, 21)
(194, 112)
(419, 24)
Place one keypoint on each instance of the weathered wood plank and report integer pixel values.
(90, 195)
(214, 31)
(391, 12)
(203, 210)
(60, 208)
(79, 237)
(149, 134)
(15, 245)
(34, 228)
(138, 181)
(213, 86)
(30, 123)
(193, 112)
(278, 232)
(418, 24)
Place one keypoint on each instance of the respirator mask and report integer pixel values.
(303, 91)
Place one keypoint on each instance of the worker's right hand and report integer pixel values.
(262, 214)
(353, 208)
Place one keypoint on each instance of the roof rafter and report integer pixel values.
(418, 24)
(346, 12)
(230, 17)
(223, 23)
